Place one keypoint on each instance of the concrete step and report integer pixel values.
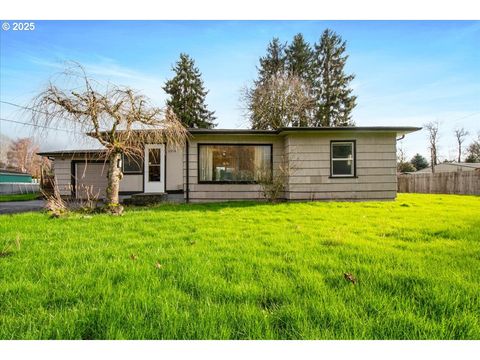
(146, 199)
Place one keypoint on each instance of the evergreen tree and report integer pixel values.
(187, 95)
(299, 57)
(474, 151)
(419, 162)
(273, 63)
(335, 101)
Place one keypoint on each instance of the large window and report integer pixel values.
(228, 163)
(132, 165)
(342, 155)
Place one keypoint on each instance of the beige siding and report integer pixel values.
(131, 183)
(62, 171)
(174, 170)
(224, 192)
(91, 176)
(309, 157)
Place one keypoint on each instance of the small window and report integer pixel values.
(342, 154)
(132, 165)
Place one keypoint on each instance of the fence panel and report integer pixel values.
(460, 182)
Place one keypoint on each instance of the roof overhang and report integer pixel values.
(403, 130)
(399, 131)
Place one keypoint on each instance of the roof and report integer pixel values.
(451, 167)
(69, 152)
(398, 130)
(13, 172)
(285, 130)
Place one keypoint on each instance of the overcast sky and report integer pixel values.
(407, 72)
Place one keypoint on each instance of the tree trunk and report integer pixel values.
(433, 160)
(114, 176)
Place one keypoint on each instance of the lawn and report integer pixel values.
(246, 271)
(19, 197)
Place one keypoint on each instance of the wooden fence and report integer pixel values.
(460, 182)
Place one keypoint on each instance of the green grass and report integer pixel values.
(19, 197)
(246, 271)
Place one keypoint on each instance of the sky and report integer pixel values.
(407, 73)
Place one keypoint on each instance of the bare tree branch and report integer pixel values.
(121, 119)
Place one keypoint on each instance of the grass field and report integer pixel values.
(246, 271)
(19, 197)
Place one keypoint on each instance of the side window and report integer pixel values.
(342, 158)
(132, 165)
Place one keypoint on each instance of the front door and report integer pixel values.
(154, 168)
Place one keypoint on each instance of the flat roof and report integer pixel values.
(399, 130)
(396, 129)
(14, 172)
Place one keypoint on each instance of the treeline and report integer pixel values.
(301, 85)
(298, 84)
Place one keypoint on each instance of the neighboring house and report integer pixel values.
(327, 163)
(15, 182)
(8, 176)
(450, 167)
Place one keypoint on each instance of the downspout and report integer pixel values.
(401, 137)
(187, 194)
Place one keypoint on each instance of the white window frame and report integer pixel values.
(351, 158)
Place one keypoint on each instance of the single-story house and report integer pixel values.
(344, 163)
(450, 167)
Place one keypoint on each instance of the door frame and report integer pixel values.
(147, 185)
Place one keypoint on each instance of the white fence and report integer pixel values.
(19, 188)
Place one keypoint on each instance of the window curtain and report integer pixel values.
(206, 163)
(262, 160)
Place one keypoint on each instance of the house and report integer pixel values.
(341, 163)
(16, 182)
(450, 167)
(10, 176)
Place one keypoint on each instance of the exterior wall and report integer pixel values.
(308, 154)
(95, 174)
(309, 157)
(131, 183)
(223, 192)
(174, 170)
(63, 177)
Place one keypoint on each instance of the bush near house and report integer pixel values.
(407, 269)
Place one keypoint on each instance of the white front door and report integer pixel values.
(154, 168)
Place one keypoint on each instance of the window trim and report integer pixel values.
(354, 153)
(236, 182)
(138, 172)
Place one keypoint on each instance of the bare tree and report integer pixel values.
(282, 100)
(22, 156)
(121, 119)
(432, 128)
(460, 135)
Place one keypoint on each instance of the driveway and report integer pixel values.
(13, 207)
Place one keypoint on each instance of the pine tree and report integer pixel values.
(299, 57)
(187, 95)
(419, 162)
(335, 101)
(273, 63)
